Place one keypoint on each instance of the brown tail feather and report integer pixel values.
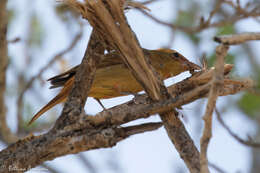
(61, 97)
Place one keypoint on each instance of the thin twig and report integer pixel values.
(240, 140)
(216, 87)
(237, 38)
(150, 2)
(170, 25)
(242, 14)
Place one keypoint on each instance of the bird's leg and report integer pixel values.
(100, 103)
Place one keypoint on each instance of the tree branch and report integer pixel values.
(205, 24)
(34, 150)
(237, 38)
(5, 132)
(74, 106)
(216, 86)
(249, 143)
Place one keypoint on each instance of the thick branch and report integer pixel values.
(181, 140)
(78, 95)
(34, 150)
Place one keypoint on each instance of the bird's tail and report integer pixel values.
(61, 97)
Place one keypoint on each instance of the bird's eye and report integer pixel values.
(176, 54)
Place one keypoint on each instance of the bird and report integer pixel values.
(114, 79)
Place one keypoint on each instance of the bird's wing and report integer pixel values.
(59, 80)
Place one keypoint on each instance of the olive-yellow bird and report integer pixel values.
(113, 78)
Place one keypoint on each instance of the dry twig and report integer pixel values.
(237, 38)
(216, 86)
(241, 13)
(242, 141)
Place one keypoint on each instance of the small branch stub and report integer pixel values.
(237, 38)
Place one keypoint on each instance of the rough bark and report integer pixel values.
(74, 106)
